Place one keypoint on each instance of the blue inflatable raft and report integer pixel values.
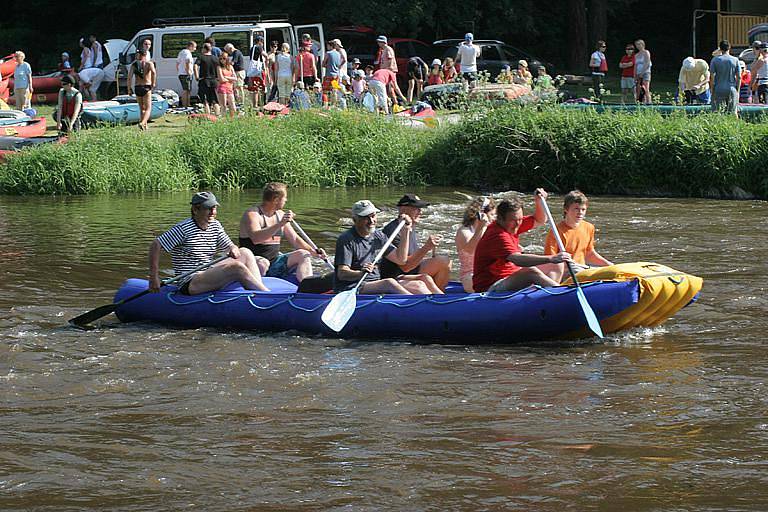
(114, 113)
(463, 318)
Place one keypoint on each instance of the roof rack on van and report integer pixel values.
(219, 20)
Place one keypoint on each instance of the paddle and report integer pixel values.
(306, 238)
(592, 320)
(341, 308)
(83, 320)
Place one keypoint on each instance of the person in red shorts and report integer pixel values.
(500, 264)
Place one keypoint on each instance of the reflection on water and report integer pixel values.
(138, 417)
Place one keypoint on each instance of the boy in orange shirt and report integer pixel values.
(577, 234)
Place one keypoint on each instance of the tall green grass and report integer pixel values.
(98, 161)
(521, 148)
(509, 147)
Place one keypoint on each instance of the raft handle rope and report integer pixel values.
(380, 299)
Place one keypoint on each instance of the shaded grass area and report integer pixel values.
(510, 147)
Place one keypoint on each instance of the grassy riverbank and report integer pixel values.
(504, 148)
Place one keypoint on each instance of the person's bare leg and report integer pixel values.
(262, 264)
(383, 286)
(222, 100)
(554, 271)
(147, 103)
(427, 284)
(466, 282)
(439, 268)
(522, 279)
(415, 286)
(250, 261)
(224, 273)
(302, 260)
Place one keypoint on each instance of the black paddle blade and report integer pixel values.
(83, 320)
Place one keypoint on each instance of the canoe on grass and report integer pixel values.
(622, 296)
(17, 143)
(23, 127)
(126, 113)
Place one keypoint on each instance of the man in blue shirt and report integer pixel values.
(725, 80)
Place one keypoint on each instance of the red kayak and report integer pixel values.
(45, 97)
(33, 128)
(5, 93)
(43, 84)
(7, 67)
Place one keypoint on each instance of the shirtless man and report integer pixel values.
(263, 227)
(146, 79)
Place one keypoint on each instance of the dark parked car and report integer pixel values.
(360, 42)
(494, 55)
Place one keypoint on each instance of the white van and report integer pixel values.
(170, 35)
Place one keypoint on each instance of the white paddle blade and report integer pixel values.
(592, 320)
(338, 312)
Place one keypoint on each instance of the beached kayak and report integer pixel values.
(127, 113)
(25, 127)
(623, 297)
(18, 143)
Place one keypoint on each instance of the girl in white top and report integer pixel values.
(477, 216)
(643, 72)
(86, 56)
(283, 72)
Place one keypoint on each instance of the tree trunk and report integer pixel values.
(577, 36)
(598, 21)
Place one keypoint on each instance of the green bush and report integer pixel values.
(600, 153)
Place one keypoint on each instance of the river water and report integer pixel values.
(139, 417)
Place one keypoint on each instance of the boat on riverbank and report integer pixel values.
(117, 112)
(622, 296)
(23, 127)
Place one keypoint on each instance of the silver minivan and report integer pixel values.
(170, 35)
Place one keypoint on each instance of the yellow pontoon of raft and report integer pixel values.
(663, 292)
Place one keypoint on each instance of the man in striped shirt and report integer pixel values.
(194, 242)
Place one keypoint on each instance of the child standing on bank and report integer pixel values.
(577, 234)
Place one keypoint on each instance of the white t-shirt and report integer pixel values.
(467, 57)
(185, 62)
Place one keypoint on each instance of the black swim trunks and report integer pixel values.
(184, 288)
(142, 90)
(206, 91)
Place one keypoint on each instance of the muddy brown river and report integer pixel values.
(144, 418)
